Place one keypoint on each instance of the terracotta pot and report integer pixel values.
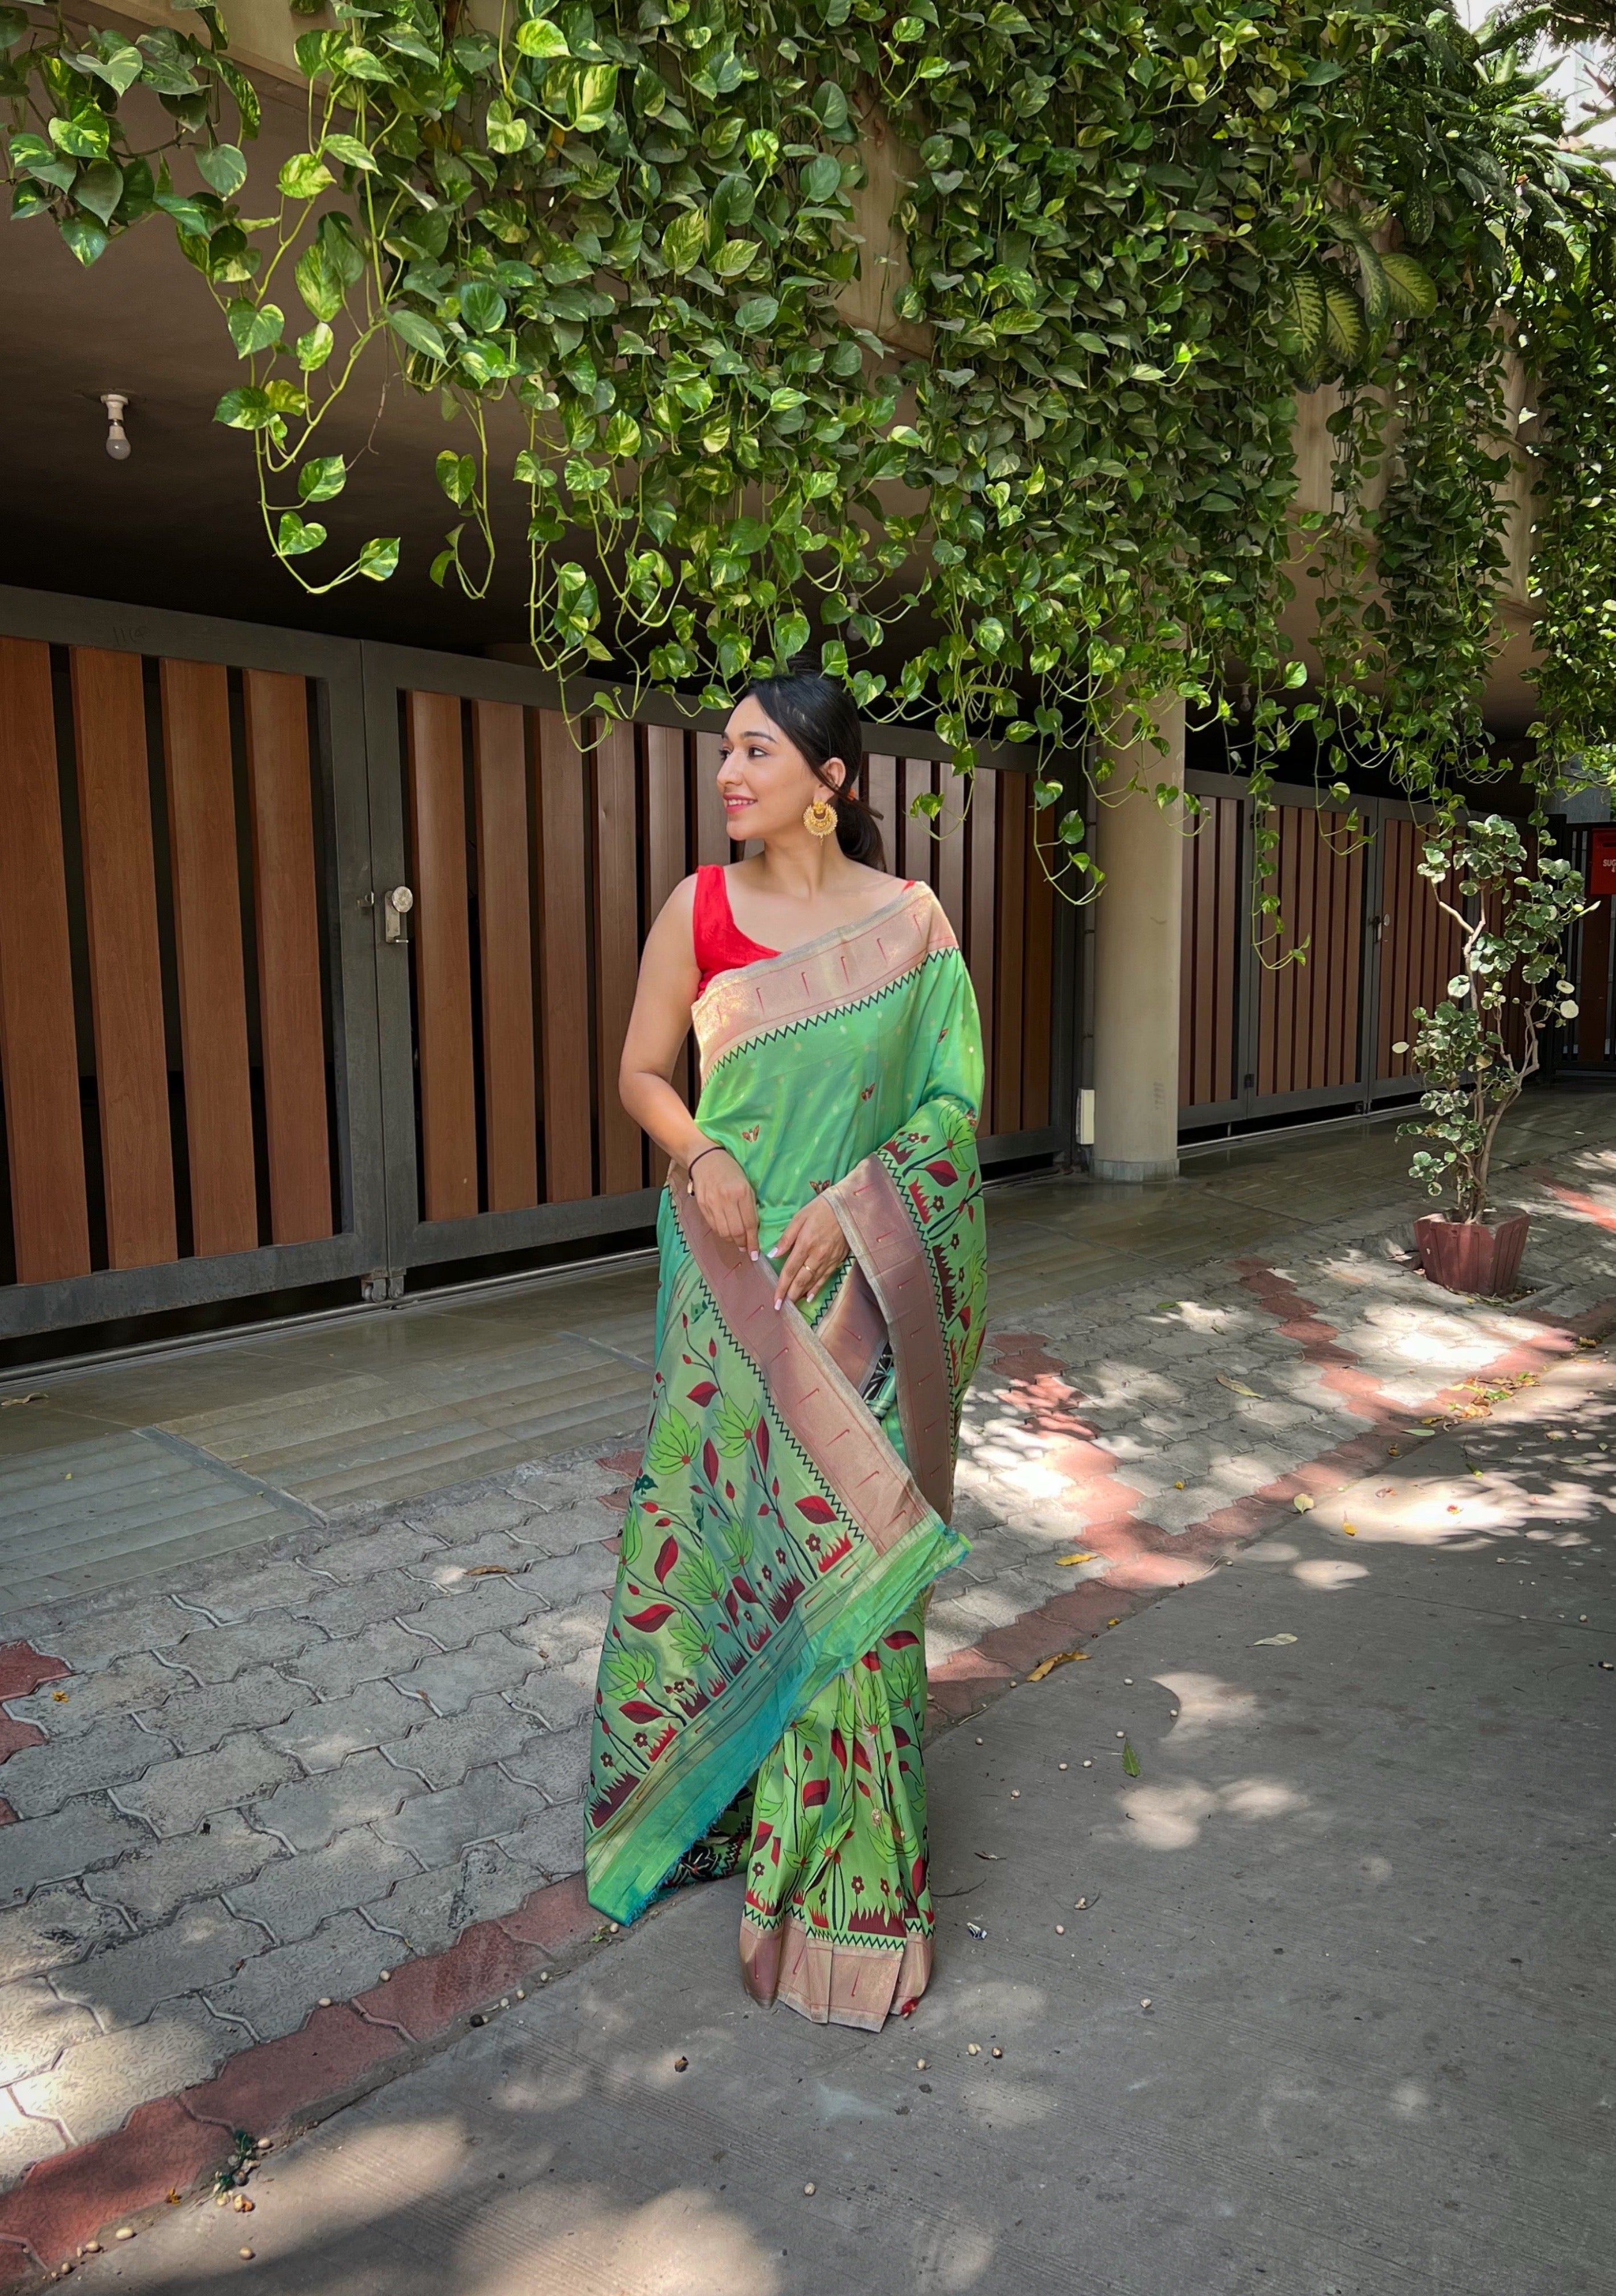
(1479, 1255)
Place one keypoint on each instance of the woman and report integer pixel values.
(763, 1687)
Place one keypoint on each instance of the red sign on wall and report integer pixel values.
(1602, 862)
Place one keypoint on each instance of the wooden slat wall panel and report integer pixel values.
(617, 950)
(504, 928)
(563, 934)
(666, 796)
(712, 830)
(981, 923)
(1210, 956)
(440, 929)
(1308, 1012)
(1011, 963)
(39, 1051)
(126, 967)
(291, 1021)
(881, 790)
(1419, 947)
(950, 836)
(208, 956)
(1039, 974)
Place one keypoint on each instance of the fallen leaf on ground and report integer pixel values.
(1064, 1562)
(1348, 1531)
(1131, 1760)
(1268, 1642)
(1048, 1665)
(992, 1856)
(489, 1571)
(1303, 1502)
(1238, 1387)
(6, 1401)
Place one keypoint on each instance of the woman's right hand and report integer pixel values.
(724, 1198)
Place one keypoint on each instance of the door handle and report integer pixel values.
(396, 907)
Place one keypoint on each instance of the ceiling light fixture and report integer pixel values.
(117, 444)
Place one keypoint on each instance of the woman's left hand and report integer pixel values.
(810, 1252)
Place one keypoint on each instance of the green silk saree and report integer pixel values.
(762, 1687)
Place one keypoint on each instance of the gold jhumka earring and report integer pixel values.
(820, 818)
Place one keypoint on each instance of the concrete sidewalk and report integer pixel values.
(273, 1820)
(1319, 2003)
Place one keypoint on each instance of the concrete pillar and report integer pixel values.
(1137, 922)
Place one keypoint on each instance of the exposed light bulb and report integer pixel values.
(117, 444)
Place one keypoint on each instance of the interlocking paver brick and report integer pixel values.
(69, 1708)
(175, 1796)
(333, 1669)
(292, 1898)
(87, 1637)
(555, 1761)
(495, 1552)
(232, 1595)
(55, 1848)
(277, 1992)
(438, 1827)
(199, 1720)
(428, 1911)
(563, 1533)
(54, 1927)
(220, 1653)
(552, 1843)
(156, 1883)
(560, 1695)
(557, 1488)
(479, 1606)
(460, 1517)
(366, 1552)
(36, 2026)
(309, 1812)
(347, 1610)
(324, 1735)
(557, 1637)
(125, 1984)
(41, 1778)
(22, 2141)
(446, 1747)
(450, 1680)
(92, 2086)
(565, 1578)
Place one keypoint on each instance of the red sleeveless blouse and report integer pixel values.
(720, 945)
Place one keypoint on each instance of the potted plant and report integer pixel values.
(1477, 1049)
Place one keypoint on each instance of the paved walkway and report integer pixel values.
(1316, 2002)
(282, 1814)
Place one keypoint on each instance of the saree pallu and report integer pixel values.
(791, 1510)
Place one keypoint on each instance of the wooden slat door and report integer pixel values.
(125, 956)
(564, 945)
(499, 765)
(39, 1046)
(617, 953)
(439, 928)
(208, 956)
(292, 1015)
(1307, 1011)
(1419, 947)
(1209, 968)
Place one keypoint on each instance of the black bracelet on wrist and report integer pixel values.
(716, 1149)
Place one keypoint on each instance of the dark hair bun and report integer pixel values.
(817, 716)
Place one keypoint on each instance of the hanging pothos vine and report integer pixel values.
(1130, 239)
